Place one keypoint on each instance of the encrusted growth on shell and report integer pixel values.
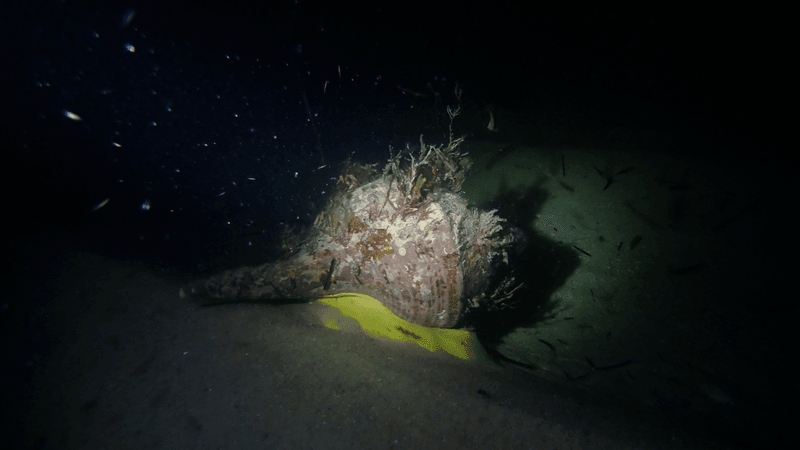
(405, 237)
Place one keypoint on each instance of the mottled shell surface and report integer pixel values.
(404, 254)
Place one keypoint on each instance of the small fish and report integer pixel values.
(72, 115)
(547, 344)
(505, 151)
(581, 250)
(408, 333)
(326, 278)
(579, 377)
(566, 186)
(645, 218)
(611, 367)
(127, 18)
(610, 178)
(626, 170)
(717, 394)
(412, 93)
(101, 204)
(491, 126)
